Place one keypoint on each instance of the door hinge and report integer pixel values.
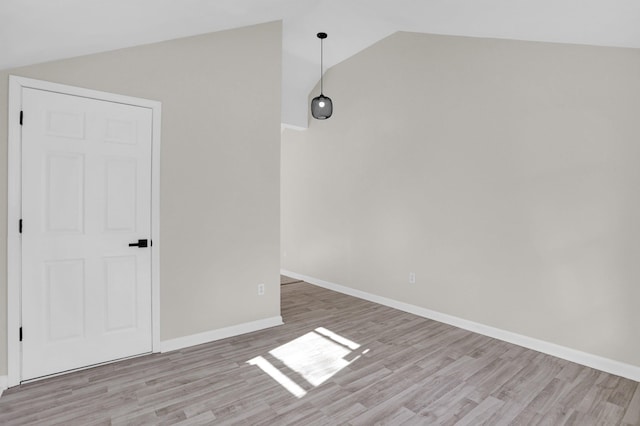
(21, 334)
(20, 226)
(21, 117)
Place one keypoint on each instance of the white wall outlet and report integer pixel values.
(412, 277)
(260, 289)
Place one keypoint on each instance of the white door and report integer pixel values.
(86, 195)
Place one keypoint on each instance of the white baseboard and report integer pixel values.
(4, 380)
(583, 358)
(221, 333)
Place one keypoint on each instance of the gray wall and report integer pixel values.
(503, 173)
(220, 168)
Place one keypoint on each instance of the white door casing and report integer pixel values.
(88, 189)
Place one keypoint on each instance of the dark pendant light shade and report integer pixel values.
(321, 106)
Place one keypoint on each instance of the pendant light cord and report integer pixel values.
(321, 64)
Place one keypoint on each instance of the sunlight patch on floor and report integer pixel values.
(314, 357)
(279, 377)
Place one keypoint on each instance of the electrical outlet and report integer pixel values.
(260, 289)
(412, 277)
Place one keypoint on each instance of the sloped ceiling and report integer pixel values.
(34, 31)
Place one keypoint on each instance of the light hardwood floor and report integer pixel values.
(284, 280)
(348, 361)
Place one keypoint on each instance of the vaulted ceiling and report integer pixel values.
(34, 31)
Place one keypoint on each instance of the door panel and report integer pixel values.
(120, 197)
(64, 299)
(120, 283)
(64, 177)
(67, 124)
(121, 131)
(86, 194)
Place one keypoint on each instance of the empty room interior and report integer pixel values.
(274, 212)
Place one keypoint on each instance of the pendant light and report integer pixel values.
(321, 106)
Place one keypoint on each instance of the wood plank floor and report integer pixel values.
(284, 280)
(337, 360)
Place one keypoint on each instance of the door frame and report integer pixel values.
(14, 209)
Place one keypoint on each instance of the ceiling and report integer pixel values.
(34, 31)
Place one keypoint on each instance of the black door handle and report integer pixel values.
(140, 243)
